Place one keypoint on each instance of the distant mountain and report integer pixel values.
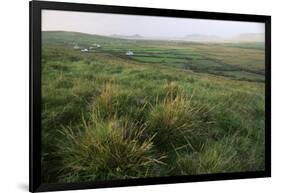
(247, 37)
(202, 38)
(135, 36)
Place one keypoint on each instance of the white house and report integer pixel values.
(85, 50)
(76, 47)
(129, 53)
(96, 45)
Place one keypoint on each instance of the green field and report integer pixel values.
(173, 108)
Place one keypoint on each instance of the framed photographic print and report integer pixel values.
(123, 96)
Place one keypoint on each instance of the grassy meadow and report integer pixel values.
(172, 108)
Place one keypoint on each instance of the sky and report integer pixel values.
(147, 26)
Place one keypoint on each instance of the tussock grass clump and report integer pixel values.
(174, 118)
(108, 101)
(113, 102)
(214, 157)
(219, 157)
(232, 153)
(106, 150)
(106, 97)
(172, 89)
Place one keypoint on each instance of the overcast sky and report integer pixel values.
(108, 24)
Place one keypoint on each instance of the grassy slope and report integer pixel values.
(108, 116)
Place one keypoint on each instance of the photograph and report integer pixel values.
(128, 96)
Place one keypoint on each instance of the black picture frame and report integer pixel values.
(36, 7)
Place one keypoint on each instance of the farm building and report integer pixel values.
(76, 47)
(85, 50)
(96, 45)
(129, 53)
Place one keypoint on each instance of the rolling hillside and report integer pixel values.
(171, 108)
